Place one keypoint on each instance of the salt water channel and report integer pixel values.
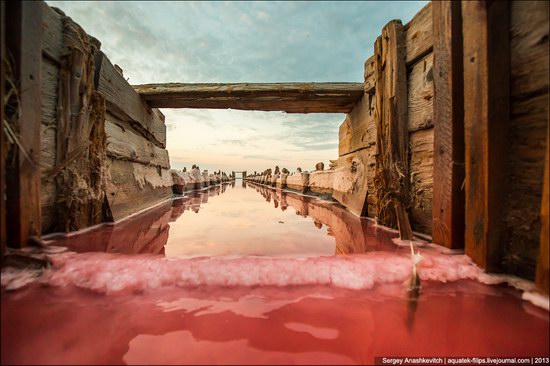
(246, 274)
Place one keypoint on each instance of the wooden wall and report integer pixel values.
(451, 156)
(528, 131)
(358, 133)
(137, 165)
(103, 153)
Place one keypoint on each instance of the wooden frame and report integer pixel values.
(486, 114)
(24, 24)
(286, 97)
(448, 114)
(3, 141)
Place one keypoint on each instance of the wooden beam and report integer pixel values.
(123, 144)
(542, 275)
(448, 172)
(485, 27)
(418, 35)
(126, 104)
(24, 25)
(287, 97)
(392, 168)
(3, 140)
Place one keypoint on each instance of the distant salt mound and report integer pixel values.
(111, 273)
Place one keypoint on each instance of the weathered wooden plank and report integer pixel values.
(132, 187)
(80, 140)
(287, 97)
(358, 130)
(123, 144)
(420, 95)
(52, 25)
(418, 35)
(370, 75)
(421, 147)
(526, 150)
(48, 139)
(392, 173)
(126, 104)
(321, 182)
(49, 90)
(528, 130)
(23, 24)
(350, 181)
(448, 112)
(542, 274)
(3, 139)
(529, 55)
(485, 28)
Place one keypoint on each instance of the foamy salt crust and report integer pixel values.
(111, 273)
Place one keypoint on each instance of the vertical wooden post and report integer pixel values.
(3, 142)
(541, 278)
(448, 196)
(392, 167)
(24, 25)
(485, 27)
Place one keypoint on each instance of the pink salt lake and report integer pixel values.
(242, 274)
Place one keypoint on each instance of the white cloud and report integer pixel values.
(241, 42)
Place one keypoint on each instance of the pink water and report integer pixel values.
(293, 280)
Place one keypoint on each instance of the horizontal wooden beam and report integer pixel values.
(286, 97)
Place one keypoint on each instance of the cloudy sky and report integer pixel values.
(200, 42)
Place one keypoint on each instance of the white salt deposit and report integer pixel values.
(108, 273)
(111, 273)
(537, 299)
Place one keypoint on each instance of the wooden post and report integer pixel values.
(392, 171)
(24, 47)
(3, 141)
(541, 279)
(485, 27)
(448, 195)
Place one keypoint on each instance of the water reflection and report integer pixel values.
(352, 234)
(239, 224)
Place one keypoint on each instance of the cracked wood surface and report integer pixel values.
(286, 97)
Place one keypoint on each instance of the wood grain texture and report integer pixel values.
(287, 97)
(132, 187)
(80, 139)
(529, 47)
(391, 126)
(448, 112)
(358, 130)
(3, 139)
(421, 145)
(123, 144)
(48, 138)
(350, 181)
(418, 34)
(52, 47)
(370, 75)
(528, 130)
(542, 274)
(126, 104)
(526, 162)
(24, 24)
(486, 114)
(420, 95)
